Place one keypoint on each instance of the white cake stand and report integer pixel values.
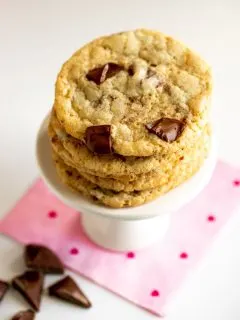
(127, 228)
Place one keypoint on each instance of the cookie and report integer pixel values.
(137, 93)
(77, 155)
(101, 165)
(181, 172)
(152, 179)
(149, 180)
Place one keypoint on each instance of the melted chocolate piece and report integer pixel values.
(40, 258)
(166, 129)
(67, 290)
(30, 286)
(24, 315)
(99, 75)
(4, 286)
(98, 139)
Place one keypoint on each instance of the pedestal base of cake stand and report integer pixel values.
(127, 228)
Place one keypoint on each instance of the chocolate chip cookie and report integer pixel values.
(130, 117)
(112, 165)
(105, 194)
(141, 91)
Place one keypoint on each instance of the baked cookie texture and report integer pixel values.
(110, 194)
(130, 118)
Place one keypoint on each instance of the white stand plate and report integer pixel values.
(126, 228)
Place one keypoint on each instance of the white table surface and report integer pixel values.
(36, 37)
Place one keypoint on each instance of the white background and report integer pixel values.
(36, 37)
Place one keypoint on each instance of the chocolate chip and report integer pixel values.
(115, 192)
(40, 258)
(30, 286)
(136, 192)
(67, 289)
(131, 70)
(24, 315)
(166, 129)
(99, 75)
(132, 99)
(69, 173)
(3, 289)
(98, 139)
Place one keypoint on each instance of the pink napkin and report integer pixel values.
(147, 277)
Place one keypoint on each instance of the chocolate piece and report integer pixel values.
(166, 129)
(98, 139)
(3, 289)
(24, 315)
(30, 286)
(131, 70)
(40, 258)
(67, 289)
(99, 75)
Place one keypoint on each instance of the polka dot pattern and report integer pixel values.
(183, 255)
(52, 214)
(211, 218)
(74, 251)
(147, 277)
(155, 293)
(131, 255)
(236, 183)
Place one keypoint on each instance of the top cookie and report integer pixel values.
(134, 93)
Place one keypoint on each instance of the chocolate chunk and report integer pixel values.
(3, 289)
(30, 286)
(40, 258)
(24, 315)
(67, 289)
(98, 139)
(99, 75)
(166, 129)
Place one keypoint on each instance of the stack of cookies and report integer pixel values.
(130, 118)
